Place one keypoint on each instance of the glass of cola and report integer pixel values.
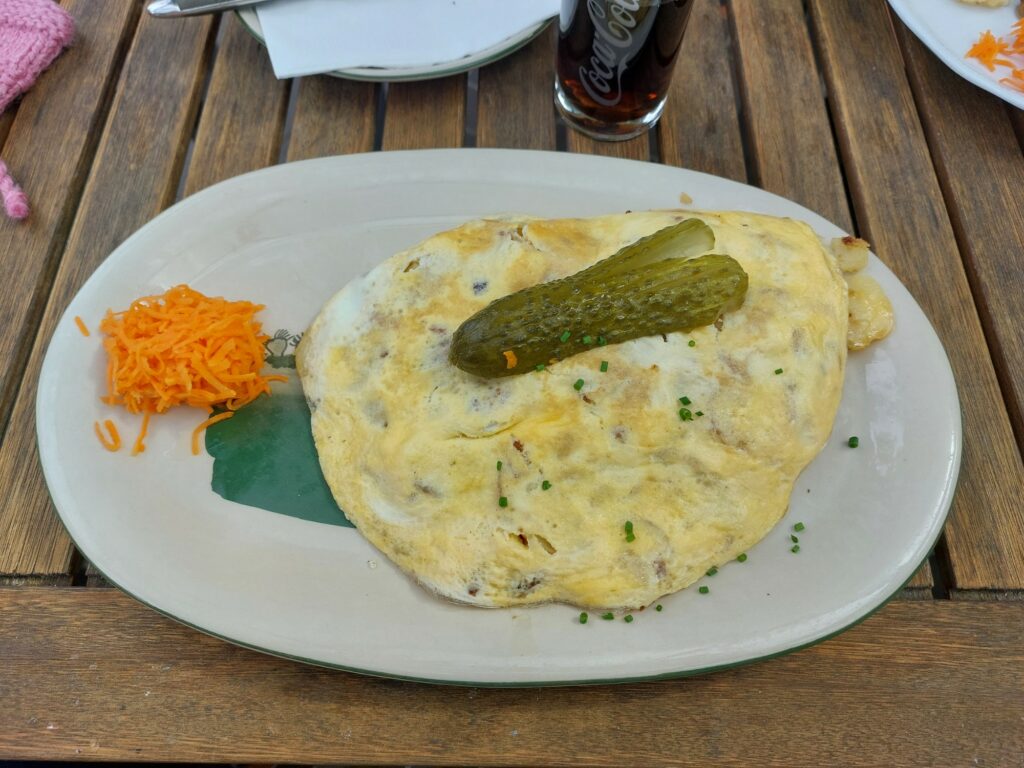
(615, 61)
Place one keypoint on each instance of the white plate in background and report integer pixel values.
(949, 28)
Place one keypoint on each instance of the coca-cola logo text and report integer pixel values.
(616, 42)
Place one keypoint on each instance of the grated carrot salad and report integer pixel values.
(1007, 52)
(82, 327)
(184, 348)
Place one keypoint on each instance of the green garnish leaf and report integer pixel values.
(578, 385)
(604, 366)
(588, 340)
(699, 413)
(691, 343)
(704, 590)
(795, 548)
(545, 484)
(583, 617)
(630, 537)
(658, 607)
(684, 400)
(778, 371)
(628, 618)
(793, 538)
(540, 366)
(853, 442)
(712, 570)
(742, 558)
(499, 465)
(685, 414)
(601, 341)
(608, 616)
(565, 336)
(503, 501)
(798, 527)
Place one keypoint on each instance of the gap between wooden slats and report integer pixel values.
(135, 176)
(939, 682)
(981, 170)
(900, 209)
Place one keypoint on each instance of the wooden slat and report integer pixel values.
(6, 120)
(48, 150)
(136, 175)
(243, 116)
(700, 127)
(631, 149)
(87, 673)
(922, 579)
(900, 209)
(790, 140)
(981, 169)
(515, 102)
(426, 114)
(332, 117)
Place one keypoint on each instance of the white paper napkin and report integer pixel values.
(309, 36)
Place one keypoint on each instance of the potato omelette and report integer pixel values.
(675, 454)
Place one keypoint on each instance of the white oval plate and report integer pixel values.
(480, 58)
(950, 28)
(289, 237)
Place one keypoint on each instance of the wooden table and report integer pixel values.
(829, 102)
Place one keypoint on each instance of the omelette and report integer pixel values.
(604, 480)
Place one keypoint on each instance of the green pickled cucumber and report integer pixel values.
(649, 287)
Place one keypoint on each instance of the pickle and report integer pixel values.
(649, 287)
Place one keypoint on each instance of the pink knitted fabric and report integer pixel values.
(32, 34)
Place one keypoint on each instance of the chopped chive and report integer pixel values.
(712, 570)
(588, 340)
(686, 414)
(604, 366)
(628, 618)
(798, 527)
(691, 343)
(795, 548)
(778, 371)
(630, 536)
(565, 336)
(503, 501)
(853, 442)
(684, 400)
(608, 616)
(742, 557)
(699, 413)
(540, 366)
(498, 465)
(545, 485)
(704, 590)
(657, 607)
(578, 385)
(583, 617)
(629, 526)
(601, 341)
(793, 538)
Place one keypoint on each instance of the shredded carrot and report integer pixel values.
(988, 49)
(81, 325)
(114, 444)
(511, 361)
(1018, 37)
(184, 348)
(139, 446)
(202, 427)
(1015, 80)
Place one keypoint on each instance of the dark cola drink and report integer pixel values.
(615, 61)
